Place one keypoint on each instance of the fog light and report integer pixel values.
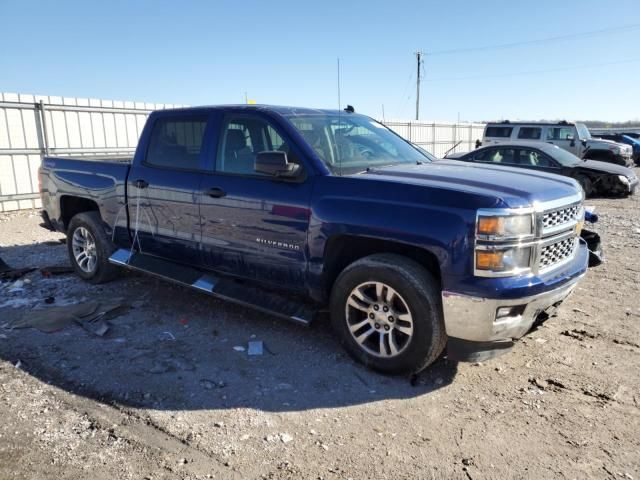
(509, 312)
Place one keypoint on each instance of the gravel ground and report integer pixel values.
(170, 391)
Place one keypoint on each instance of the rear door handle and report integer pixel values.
(216, 192)
(141, 183)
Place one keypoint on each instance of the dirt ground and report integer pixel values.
(167, 392)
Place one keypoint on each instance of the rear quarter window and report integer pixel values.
(498, 132)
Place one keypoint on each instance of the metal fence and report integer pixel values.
(439, 138)
(604, 131)
(32, 126)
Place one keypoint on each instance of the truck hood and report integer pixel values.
(515, 187)
(593, 142)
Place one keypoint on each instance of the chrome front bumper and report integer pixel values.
(474, 318)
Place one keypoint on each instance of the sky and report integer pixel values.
(201, 52)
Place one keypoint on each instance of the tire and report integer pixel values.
(89, 226)
(586, 184)
(407, 288)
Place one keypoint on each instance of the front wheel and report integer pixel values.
(586, 184)
(89, 248)
(387, 312)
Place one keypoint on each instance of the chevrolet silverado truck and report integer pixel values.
(297, 212)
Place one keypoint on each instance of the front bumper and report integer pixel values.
(479, 328)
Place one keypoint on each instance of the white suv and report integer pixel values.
(573, 137)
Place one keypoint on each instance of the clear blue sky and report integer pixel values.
(284, 52)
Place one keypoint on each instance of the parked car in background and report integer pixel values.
(596, 178)
(626, 139)
(294, 211)
(572, 137)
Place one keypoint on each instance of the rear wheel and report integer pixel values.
(387, 312)
(90, 248)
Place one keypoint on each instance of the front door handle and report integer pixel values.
(141, 183)
(216, 192)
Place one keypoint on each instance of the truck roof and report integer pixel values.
(281, 109)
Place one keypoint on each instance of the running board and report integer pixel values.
(220, 287)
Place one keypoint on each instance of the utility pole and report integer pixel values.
(419, 59)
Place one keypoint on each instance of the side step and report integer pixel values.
(224, 288)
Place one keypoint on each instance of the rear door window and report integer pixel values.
(530, 133)
(499, 132)
(176, 142)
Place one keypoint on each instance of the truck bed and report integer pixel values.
(65, 181)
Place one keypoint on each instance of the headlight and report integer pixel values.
(624, 179)
(513, 260)
(504, 227)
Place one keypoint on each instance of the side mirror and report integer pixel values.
(572, 139)
(275, 163)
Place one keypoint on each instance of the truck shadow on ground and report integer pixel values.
(176, 349)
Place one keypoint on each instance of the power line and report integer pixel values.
(419, 59)
(530, 72)
(406, 95)
(602, 31)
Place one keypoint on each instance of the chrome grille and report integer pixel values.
(560, 217)
(555, 253)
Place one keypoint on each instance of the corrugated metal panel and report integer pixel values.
(74, 126)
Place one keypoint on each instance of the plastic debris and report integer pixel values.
(167, 336)
(239, 348)
(255, 348)
(91, 316)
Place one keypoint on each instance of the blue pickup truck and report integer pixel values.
(297, 211)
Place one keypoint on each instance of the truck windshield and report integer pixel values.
(583, 131)
(351, 143)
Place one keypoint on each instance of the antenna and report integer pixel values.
(383, 119)
(339, 123)
(339, 102)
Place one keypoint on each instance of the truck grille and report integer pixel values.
(556, 253)
(557, 218)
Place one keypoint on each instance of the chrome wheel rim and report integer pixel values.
(84, 249)
(379, 319)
